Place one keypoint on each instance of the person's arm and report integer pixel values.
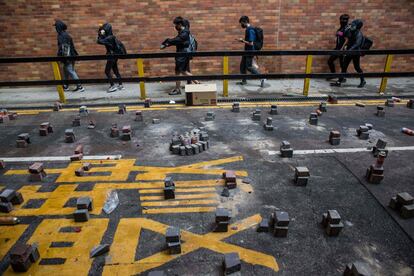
(181, 38)
(250, 39)
(345, 43)
(107, 41)
(358, 42)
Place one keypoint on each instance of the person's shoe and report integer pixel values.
(120, 87)
(343, 81)
(175, 92)
(241, 83)
(112, 88)
(262, 83)
(330, 79)
(337, 84)
(78, 89)
(65, 88)
(362, 84)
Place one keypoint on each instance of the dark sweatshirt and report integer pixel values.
(108, 40)
(181, 41)
(64, 38)
(356, 38)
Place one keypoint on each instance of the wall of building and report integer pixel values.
(27, 30)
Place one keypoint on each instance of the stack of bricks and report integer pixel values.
(22, 256)
(322, 107)
(375, 173)
(410, 103)
(358, 269)
(77, 121)
(222, 220)
(114, 131)
(230, 180)
(69, 135)
(45, 129)
(126, 133)
(380, 147)
(78, 153)
(138, 116)
(273, 110)
(286, 149)
(37, 172)
(331, 221)
(147, 103)
(191, 143)
(301, 176)
(83, 207)
(122, 109)
(313, 118)
(403, 203)
(268, 125)
(363, 132)
(389, 103)
(279, 220)
(173, 239)
(256, 115)
(231, 263)
(23, 140)
(236, 107)
(334, 137)
(380, 111)
(264, 225)
(8, 198)
(169, 188)
(57, 106)
(210, 116)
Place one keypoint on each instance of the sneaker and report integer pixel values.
(121, 87)
(362, 84)
(112, 88)
(337, 83)
(65, 88)
(343, 81)
(175, 92)
(78, 89)
(241, 83)
(262, 83)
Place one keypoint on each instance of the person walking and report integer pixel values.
(340, 41)
(113, 47)
(66, 48)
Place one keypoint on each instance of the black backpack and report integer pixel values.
(367, 43)
(120, 47)
(258, 43)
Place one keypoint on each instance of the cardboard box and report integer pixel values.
(201, 94)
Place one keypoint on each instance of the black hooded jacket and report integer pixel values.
(64, 38)
(356, 38)
(108, 40)
(181, 41)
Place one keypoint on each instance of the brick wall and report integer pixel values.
(295, 24)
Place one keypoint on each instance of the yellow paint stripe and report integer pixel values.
(179, 202)
(178, 190)
(179, 210)
(185, 196)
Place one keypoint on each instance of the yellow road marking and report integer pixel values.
(179, 210)
(178, 190)
(179, 196)
(127, 238)
(77, 257)
(179, 202)
(9, 236)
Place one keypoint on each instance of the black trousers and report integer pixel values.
(356, 60)
(112, 65)
(246, 64)
(331, 63)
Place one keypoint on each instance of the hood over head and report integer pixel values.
(107, 28)
(60, 26)
(358, 24)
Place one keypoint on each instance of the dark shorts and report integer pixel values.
(182, 64)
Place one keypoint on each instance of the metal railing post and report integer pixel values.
(57, 76)
(387, 68)
(225, 72)
(140, 65)
(308, 70)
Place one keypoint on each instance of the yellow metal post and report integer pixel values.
(387, 68)
(140, 65)
(56, 73)
(307, 71)
(225, 72)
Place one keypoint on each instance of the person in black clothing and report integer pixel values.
(340, 41)
(66, 48)
(246, 63)
(355, 39)
(181, 42)
(106, 38)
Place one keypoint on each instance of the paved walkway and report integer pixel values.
(96, 94)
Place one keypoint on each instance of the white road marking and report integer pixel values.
(58, 158)
(348, 150)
